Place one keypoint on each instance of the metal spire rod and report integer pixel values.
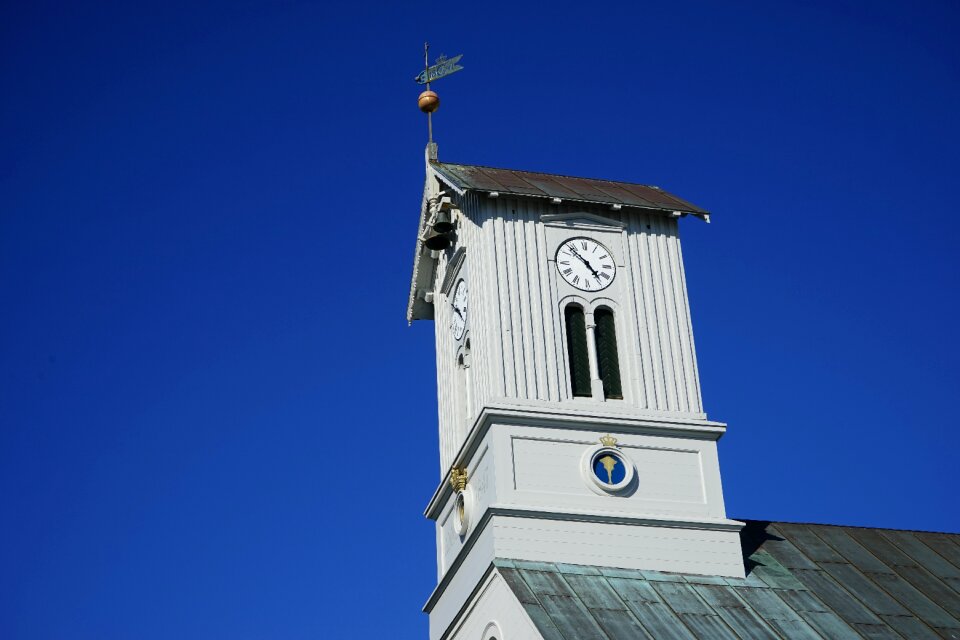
(426, 73)
(428, 100)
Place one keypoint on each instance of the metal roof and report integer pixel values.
(466, 177)
(803, 581)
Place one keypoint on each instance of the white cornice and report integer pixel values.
(578, 515)
(565, 418)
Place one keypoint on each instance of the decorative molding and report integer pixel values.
(458, 478)
(492, 631)
(564, 417)
(574, 515)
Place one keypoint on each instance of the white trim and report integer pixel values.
(461, 523)
(492, 631)
(580, 220)
(571, 515)
(447, 181)
(584, 416)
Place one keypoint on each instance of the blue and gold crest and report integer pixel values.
(609, 468)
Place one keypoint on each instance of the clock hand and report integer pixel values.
(458, 313)
(584, 261)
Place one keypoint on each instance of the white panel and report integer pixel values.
(494, 607)
(551, 466)
(482, 484)
(461, 585)
(647, 547)
(668, 475)
(692, 551)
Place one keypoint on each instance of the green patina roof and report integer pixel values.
(803, 581)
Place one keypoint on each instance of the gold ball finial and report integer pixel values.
(428, 101)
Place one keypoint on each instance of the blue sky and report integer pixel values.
(214, 420)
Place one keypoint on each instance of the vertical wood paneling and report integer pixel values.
(627, 318)
(504, 304)
(696, 393)
(548, 311)
(668, 331)
(537, 372)
(515, 256)
(444, 388)
(684, 334)
(470, 237)
(669, 291)
(526, 385)
(653, 311)
(643, 368)
(486, 307)
(515, 326)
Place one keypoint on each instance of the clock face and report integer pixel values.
(459, 303)
(586, 264)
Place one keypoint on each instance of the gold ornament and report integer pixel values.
(609, 463)
(428, 101)
(608, 441)
(458, 478)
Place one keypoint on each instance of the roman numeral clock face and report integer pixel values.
(585, 264)
(458, 322)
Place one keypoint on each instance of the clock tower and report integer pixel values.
(571, 424)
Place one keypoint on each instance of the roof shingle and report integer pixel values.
(467, 177)
(804, 581)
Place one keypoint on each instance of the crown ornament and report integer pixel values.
(458, 478)
(608, 441)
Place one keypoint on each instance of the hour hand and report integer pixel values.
(584, 261)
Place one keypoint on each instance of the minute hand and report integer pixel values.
(584, 261)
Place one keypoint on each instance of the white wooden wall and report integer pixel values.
(515, 322)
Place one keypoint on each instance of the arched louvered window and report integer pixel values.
(577, 352)
(608, 362)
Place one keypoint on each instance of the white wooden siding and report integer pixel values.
(515, 323)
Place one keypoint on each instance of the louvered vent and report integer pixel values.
(577, 351)
(607, 360)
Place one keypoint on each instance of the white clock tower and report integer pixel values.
(571, 423)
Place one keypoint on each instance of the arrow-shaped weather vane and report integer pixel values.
(443, 67)
(428, 100)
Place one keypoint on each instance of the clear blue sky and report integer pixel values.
(214, 421)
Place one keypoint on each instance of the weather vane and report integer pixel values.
(428, 100)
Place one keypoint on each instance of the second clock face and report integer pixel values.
(459, 303)
(586, 264)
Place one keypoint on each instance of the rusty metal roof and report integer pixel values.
(466, 177)
(803, 581)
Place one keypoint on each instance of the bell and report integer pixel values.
(436, 241)
(442, 223)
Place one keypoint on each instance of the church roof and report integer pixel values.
(465, 177)
(803, 581)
